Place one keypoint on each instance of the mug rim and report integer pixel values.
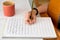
(10, 2)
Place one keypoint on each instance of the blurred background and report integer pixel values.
(43, 1)
(38, 2)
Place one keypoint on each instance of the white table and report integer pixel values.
(22, 6)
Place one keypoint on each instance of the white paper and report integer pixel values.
(16, 27)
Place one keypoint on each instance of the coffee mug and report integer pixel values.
(9, 8)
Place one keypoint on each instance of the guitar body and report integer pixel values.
(54, 10)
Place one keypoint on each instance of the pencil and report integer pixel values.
(31, 11)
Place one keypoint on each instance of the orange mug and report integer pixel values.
(8, 8)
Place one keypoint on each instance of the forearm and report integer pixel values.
(43, 8)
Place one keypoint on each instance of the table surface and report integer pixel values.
(17, 10)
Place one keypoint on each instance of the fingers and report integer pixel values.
(28, 20)
(34, 20)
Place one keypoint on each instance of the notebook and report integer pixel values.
(16, 27)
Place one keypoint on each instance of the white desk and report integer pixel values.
(22, 6)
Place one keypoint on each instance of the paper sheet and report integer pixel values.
(43, 28)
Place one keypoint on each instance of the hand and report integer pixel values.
(27, 17)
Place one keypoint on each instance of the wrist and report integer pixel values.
(34, 12)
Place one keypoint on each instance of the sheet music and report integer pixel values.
(16, 27)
